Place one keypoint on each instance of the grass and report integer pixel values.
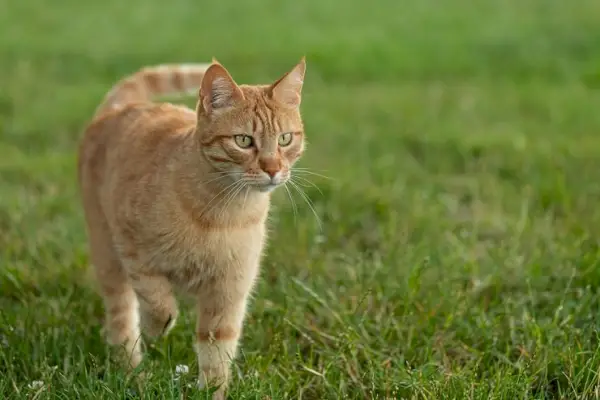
(458, 255)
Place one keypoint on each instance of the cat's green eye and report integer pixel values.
(244, 141)
(285, 139)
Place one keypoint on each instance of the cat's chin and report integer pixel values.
(268, 188)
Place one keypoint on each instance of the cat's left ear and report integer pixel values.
(287, 90)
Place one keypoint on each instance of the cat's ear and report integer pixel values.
(218, 90)
(288, 89)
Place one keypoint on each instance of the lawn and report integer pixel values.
(456, 250)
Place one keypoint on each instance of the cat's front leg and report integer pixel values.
(218, 331)
(158, 307)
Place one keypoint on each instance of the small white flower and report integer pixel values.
(182, 369)
(35, 385)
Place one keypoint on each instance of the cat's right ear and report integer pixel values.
(218, 90)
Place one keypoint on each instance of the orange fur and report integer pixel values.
(175, 198)
(153, 81)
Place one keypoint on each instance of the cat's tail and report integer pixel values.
(150, 82)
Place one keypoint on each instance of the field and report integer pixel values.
(457, 251)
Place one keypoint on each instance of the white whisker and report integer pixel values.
(231, 195)
(307, 182)
(217, 195)
(245, 196)
(308, 201)
(306, 171)
(216, 179)
(294, 207)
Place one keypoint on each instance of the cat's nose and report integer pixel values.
(270, 166)
(272, 172)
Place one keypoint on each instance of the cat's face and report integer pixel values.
(252, 135)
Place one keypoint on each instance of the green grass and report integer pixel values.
(458, 256)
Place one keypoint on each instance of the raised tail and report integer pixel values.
(150, 82)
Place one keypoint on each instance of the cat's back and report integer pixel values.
(131, 139)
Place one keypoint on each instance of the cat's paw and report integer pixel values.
(214, 379)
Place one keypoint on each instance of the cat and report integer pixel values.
(178, 199)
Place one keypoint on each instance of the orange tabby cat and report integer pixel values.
(177, 198)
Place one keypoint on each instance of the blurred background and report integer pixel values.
(457, 250)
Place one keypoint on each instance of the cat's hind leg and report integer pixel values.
(120, 301)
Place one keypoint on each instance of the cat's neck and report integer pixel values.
(209, 195)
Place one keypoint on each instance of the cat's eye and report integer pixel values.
(244, 141)
(285, 139)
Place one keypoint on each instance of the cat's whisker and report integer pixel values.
(245, 196)
(238, 192)
(309, 202)
(232, 195)
(298, 167)
(298, 171)
(294, 207)
(225, 198)
(307, 182)
(206, 209)
(226, 175)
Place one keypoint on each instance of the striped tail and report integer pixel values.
(150, 82)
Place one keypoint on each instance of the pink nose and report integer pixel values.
(270, 166)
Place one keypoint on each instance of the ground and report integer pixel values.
(457, 251)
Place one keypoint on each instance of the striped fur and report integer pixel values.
(177, 199)
(151, 82)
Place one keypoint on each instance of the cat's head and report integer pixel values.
(251, 133)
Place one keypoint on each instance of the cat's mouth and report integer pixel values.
(268, 185)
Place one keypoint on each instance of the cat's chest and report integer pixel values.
(234, 245)
(217, 256)
(175, 240)
(232, 240)
(214, 251)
